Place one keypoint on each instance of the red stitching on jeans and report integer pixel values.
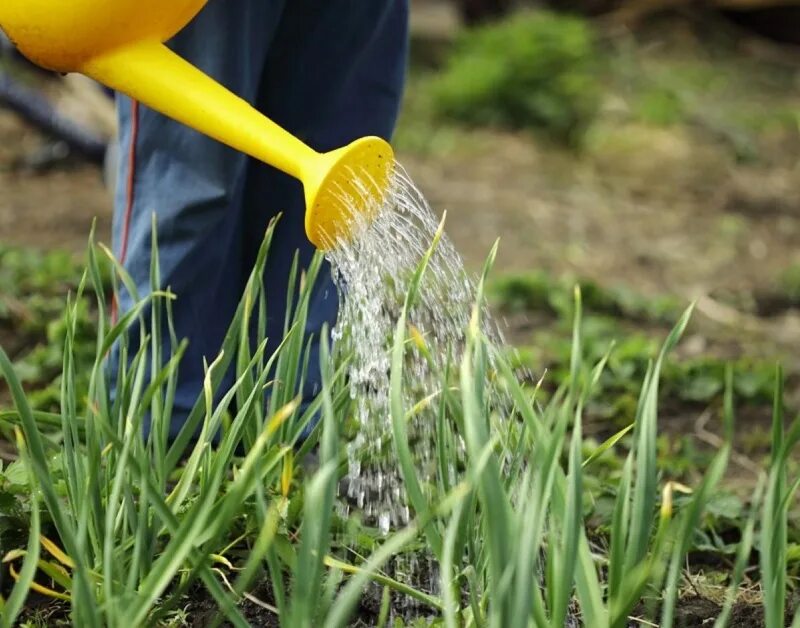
(126, 221)
(131, 179)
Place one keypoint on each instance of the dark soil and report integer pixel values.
(199, 610)
(695, 611)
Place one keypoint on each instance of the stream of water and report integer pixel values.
(373, 269)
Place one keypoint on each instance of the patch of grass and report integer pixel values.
(123, 527)
(137, 521)
(539, 290)
(533, 70)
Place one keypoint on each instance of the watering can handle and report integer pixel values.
(160, 79)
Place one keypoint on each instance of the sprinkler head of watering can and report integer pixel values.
(344, 187)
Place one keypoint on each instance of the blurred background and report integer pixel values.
(646, 149)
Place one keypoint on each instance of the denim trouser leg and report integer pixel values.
(329, 71)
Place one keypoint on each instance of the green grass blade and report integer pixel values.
(586, 577)
(572, 527)
(448, 573)
(576, 354)
(495, 508)
(645, 486)
(545, 470)
(349, 596)
(229, 344)
(13, 605)
(408, 470)
(742, 555)
(386, 581)
(38, 463)
(607, 444)
(619, 530)
(773, 538)
(315, 532)
(689, 522)
(400, 437)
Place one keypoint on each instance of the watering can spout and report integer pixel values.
(336, 184)
(351, 179)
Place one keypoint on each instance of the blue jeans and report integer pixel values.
(328, 71)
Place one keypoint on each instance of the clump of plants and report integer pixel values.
(533, 70)
(121, 525)
(124, 528)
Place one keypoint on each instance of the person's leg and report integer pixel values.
(195, 186)
(334, 73)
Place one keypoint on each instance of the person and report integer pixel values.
(328, 71)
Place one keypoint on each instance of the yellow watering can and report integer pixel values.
(120, 44)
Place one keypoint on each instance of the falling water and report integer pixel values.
(373, 270)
